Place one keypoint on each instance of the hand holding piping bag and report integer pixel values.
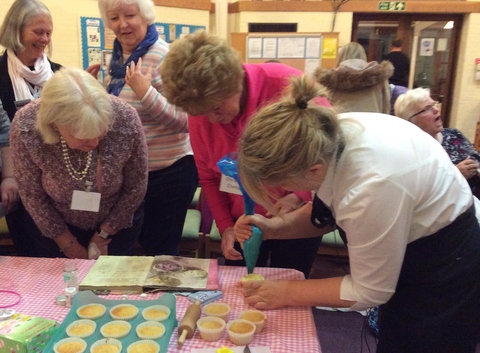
(251, 247)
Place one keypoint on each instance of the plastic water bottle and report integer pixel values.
(70, 274)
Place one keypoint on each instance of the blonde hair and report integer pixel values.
(285, 139)
(408, 103)
(145, 7)
(20, 14)
(352, 50)
(75, 99)
(200, 72)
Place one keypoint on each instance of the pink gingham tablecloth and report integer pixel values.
(40, 280)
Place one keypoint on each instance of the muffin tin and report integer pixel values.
(88, 297)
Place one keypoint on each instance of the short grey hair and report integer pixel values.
(20, 14)
(75, 99)
(410, 102)
(146, 8)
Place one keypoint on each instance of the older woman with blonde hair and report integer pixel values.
(417, 107)
(408, 214)
(205, 76)
(26, 34)
(134, 76)
(80, 160)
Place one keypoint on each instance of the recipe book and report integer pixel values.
(136, 274)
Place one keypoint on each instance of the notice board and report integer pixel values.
(304, 51)
(97, 40)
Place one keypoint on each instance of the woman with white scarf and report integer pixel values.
(24, 68)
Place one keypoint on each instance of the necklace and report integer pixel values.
(75, 174)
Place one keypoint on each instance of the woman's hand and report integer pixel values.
(101, 243)
(9, 190)
(70, 246)
(243, 229)
(228, 241)
(468, 167)
(272, 228)
(139, 82)
(76, 251)
(93, 70)
(287, 204)
(266, 294)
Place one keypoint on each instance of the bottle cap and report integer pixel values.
(6, 313)
(61, 300)
(70, 290)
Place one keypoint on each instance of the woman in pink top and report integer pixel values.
(205, 76)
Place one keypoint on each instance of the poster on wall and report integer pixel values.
(427, 46)
(97, 40)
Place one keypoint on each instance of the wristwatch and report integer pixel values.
(103, 234)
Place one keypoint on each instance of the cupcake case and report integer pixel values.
(88, 297)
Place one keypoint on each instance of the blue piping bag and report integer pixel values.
(251, 247)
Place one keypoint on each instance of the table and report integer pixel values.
(39, 281)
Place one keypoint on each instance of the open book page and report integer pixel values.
(182, 272)
(117, 272)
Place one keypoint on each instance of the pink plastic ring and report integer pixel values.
(18, 297)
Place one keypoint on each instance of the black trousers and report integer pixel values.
(436, 305)
(29, 240)
(169, 194)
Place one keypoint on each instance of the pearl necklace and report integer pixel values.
(75, 174)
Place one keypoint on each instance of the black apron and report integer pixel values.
(436, 304)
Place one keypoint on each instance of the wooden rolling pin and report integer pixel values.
(189, 322)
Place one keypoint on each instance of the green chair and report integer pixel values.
(333, 245)
(213, 243)
(193, 241)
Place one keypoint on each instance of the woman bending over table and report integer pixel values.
(80, 159)
(205, 76)
(26, 34)
(413, 238)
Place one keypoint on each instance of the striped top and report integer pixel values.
(165, 126)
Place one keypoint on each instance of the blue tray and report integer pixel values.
(88, 297)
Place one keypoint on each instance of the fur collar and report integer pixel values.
(355, 74)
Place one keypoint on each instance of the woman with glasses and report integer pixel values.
(420, 109)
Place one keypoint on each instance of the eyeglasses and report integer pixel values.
(424, 110)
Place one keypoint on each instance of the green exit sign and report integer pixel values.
(392, 6)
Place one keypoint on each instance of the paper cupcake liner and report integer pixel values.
(139, 346)
(114, 312)
(212, 309)
(70, 340)
(210, 334)
(73, 330)
(94, 348)
(104, 329)
(153, 313)
(256, 316)
(143, 335)
(241, 339)
(91, 311)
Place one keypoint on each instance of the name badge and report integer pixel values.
(230, 185)
(85, 201)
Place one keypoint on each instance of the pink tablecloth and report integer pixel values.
(39, 281)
